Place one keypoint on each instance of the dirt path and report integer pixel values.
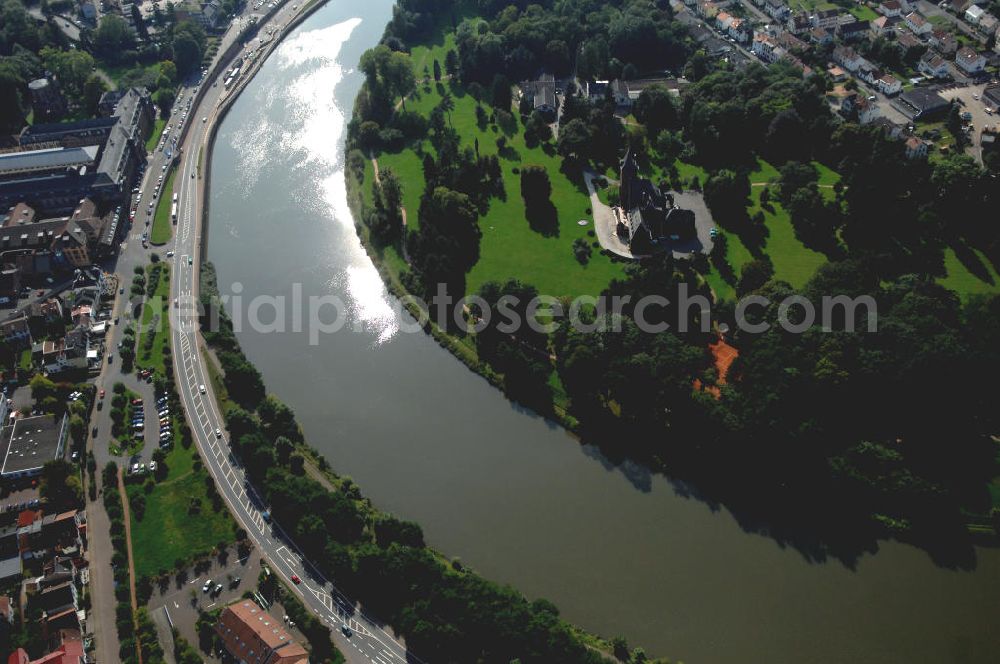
(131, 558)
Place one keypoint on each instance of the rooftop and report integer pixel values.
(31, 442)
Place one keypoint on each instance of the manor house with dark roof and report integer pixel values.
(648, 218)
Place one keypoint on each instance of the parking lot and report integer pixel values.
(197, 589)
(971, 100)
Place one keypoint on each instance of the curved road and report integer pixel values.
(368, 641)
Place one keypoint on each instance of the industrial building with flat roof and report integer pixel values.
(31, 442)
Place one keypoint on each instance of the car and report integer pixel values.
(111, 358)
(175, 303)
(192, 175)
(218, 433)
(116, 319)
(136, 402)
(152, 466)
(204, 119)
(208, 586)
(976, 97)
(121, 291)
(295, 579)
(346, 630)
(170, 254)
(201, 388)
(41, 292)
(233, 582)
(102, 393)
(190, 260)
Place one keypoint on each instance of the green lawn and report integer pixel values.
(154, 137)
(167, 531)
(153, 358)
(510, 248)
(964, 282)
(24, 362)
(163, 227)
(863, 12)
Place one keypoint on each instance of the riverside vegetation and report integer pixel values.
(826, 441)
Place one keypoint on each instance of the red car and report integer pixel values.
(102, 394)
(296, 580)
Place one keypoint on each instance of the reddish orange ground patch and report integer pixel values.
(724, 355)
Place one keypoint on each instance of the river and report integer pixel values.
(509, 493)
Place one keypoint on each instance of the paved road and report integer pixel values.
(368, 642)
(131, 253)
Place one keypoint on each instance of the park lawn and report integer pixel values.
(154, 137)
(153, 358)
(793, 261)
(423, 56)
(963, 281)
(863, 12)
(163, 228)
(510, 248)
(167, 532)
(410, 170)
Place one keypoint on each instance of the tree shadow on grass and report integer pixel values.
(972, 262)
(542, 218)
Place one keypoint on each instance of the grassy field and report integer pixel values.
(163, 228)
(510, 248)
(964, 282)
(168, 531)
(154, 137)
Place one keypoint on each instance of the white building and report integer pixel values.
(969, 61)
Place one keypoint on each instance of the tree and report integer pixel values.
(187, 55)
(437, 70)
(71, 68)
(753, 275)
(451, 62)
(60, 485)
(164, 98)
(92, 91)
(12, 85)
(655, 109)
(574, 140)
(169, 69)
(112, 37)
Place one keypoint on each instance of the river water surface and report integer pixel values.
(510, 494)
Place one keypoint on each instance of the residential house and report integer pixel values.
(889, 85)
(739, 29)
(67, 353)
(250, 634)
(974, 13)
(868, 111)
(820, 36)
(848, 58)
(828, 19)
(763, 47)
(943, 41)
(869, 72)
(889, 128)
(543, 95)
(799, 24)
(15, 331)
(988, 25)
(852, 30)
(884, 25)
(707, 10)
(856, 106)
(890, 8)
(916, 148)
(776, 9)
(969, 61)
(933, 65)
(722, 21)
(791, 43)
(70, 651)
(908, 40)
(918, 24)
